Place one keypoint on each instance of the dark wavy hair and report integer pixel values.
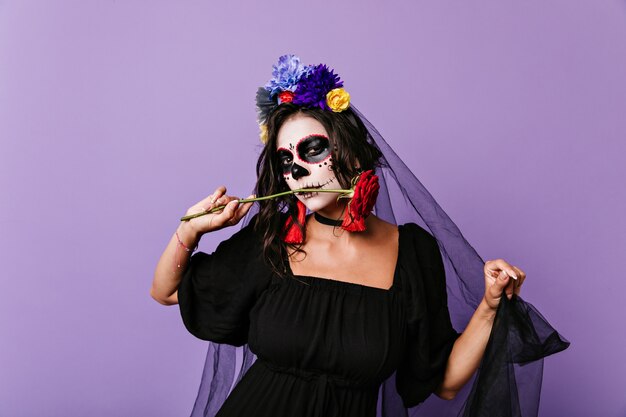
(352, 152)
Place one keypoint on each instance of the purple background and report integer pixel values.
(115, 117)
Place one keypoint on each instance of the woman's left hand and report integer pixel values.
(499, 276)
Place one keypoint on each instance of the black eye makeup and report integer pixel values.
(313, 149)
(285, 158)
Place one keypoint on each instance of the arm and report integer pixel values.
(172, 265)
(173, 261)
(467, 352)
(469, 348)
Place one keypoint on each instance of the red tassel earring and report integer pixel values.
(293, 234)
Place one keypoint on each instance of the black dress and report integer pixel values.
(323, 346)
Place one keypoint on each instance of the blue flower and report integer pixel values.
(286, 74)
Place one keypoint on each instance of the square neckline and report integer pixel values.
(349, 284)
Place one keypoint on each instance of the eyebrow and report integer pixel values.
(284, 150)
(312, 135)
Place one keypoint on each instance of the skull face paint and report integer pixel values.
(311, 149)
(305, 158)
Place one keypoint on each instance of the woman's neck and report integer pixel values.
(335, 234)
(327, 221)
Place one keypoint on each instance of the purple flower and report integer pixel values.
(312, 88)
(286, 74)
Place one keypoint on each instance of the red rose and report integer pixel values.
(362, 203)
(286, 96)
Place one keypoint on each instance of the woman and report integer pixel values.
(332, 303)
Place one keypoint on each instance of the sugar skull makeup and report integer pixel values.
(305, 158)
(310, 150)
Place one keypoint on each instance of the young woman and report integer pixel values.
(331, 299)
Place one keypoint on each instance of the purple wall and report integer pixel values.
(117, 116)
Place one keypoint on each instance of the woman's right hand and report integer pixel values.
(228, 216)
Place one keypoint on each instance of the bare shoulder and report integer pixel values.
(382, 229)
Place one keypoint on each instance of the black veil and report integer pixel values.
(508, 381)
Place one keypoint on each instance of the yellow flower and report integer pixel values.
(263, 135)
(338, 100)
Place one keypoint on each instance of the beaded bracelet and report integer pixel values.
(180, 242)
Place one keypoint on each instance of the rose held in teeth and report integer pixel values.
(305, 157)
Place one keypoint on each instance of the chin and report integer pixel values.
(319, 201)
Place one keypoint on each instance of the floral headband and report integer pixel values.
(303, 85)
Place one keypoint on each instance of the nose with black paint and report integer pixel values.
(298, 171)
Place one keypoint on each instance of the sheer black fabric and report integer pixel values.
(508, 381)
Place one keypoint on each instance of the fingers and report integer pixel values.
(522, 276)
(505, 277)
(230, 212)
(211, 201)
(227, 210)
(219, 198)
(494, 267)
(222, 201)
(234, 211)
(502, 281)
(510, 287)
(243, 208)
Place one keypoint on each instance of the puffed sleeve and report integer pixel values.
(429, 332)
(218, 290)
